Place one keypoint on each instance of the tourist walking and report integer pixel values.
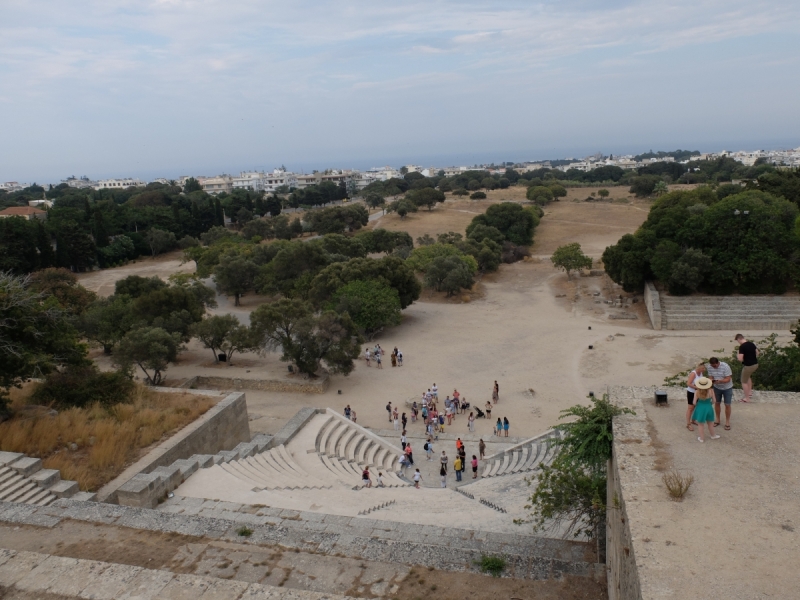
(471, 422)
(505, 425)
(443, 459)
(495, 392)
(409, 453)
(417, 478)
(394, 359)
(389, 410)
(396, 422)
(365, 478)
(353, 416)
(462, 455)
(488, 410)
(404, 420)
(347, 412)
(403, 439)
(698, 371)
(498, 427)
(482, 448)
(703, 411)
(367, 356)
(428, 447)
(378, 360)
(474, 467)
(721, 375)
(443, 476)
(435, 390)
(457, 467)
(748, 356)
(399, 358)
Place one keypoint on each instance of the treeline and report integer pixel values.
(718, 241)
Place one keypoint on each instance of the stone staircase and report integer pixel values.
(733, 313)
(23, 480)
(523, 457)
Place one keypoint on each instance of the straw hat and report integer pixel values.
(703, 383)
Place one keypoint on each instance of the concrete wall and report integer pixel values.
(302, 386)
(221, 428)
(653, 303)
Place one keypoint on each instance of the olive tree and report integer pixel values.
(570, 258)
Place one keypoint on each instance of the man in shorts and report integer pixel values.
(748, 356)
(720, 373)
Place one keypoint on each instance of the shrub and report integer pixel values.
(244, 531)
(82, 386)
(677, 484)
(493, 564)
(477, 196)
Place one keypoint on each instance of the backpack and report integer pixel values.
(426, 447)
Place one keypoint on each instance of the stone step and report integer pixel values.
(6, 458)
(65, 489)
(18, 491)
(27, 466)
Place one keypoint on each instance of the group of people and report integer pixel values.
(710, 386)
(376, 354)
(459, 463)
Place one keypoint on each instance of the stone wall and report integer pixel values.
(653, 303)
(221, 428)
(300, 385)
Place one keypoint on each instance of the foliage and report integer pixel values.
(383, 240)
(425, 197)
(372, 305)
(222, 332)
(692, 240)
(402, 207)
(83, 385)
(151, 348)
(495, 565)
(307, 338)
(338, 219)
(644, 185)
(603, 193)
(425, 240)
(172, 308)
(293, 268)
(450, 274)
(64, 287)
(244, 531)
(160, 240)
(423, 256)
(540, 194)
(106, 321)
(24, 246)
(512, 220)
(477, 196)
(235, 275)
(570, 257)
(136, 286)
(338, 245)
(677, 484)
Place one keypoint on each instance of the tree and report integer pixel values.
(375, 201)
(372, 305)
(402, 207)
(273, 205)
(64, 287)
(425, 197)
(448, 274)
(36, 335)
(540, 194)
(292, 269)
(172, 308)
(511, 219)
(160, 240)
(477, 196)
(106, 321)
(216, 332)
(234, 276)
(603, 193)
(460, 192)
(136, 286)
(383, 240)
(644, 185)
(660, 189)
(192, 185)
(559, 191)
(570, 258)
(151, 348)
(305, 338)
(75, 248)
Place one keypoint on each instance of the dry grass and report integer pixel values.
(677, 484)
(105, 440)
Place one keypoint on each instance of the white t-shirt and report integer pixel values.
(417, 476)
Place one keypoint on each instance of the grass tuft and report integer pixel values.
(677, 484)
(493, 564)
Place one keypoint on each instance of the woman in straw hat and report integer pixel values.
(703, 408)
(696, 373)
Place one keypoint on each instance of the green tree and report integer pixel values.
(511, 219)
(559, 191)
(219, 331)
(603, 193)
(449, 274)
(477, 196)
(64, 287)
(540, 194)
(160, 240)
(375, 201)
(192, 185)
(234, 276)
(660, 188)
(273, 205)
(644, 185)
(460, 192)
(383, 240)
(372, 305)
(106, 321)
(151, 348)
(75, 248)
(402, 207)
(570, 258)
(293, 268)
(425, 197)
(136, 286)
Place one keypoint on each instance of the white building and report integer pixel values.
(217, 185)
(249, 180)
(12, 186)
(79, 183)
(118, 184)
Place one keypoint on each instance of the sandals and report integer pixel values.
(689, 427)
(727, 427)
(716, 424)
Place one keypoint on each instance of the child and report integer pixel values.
(703, 408)
(417, 478)
(380, 480)
(474, 468)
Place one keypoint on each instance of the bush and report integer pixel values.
(82, 386)
(509, 218)
(677, 484)
(477, 196)
(493, 564)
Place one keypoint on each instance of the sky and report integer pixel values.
(162, 88)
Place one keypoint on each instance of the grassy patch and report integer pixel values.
(677, 484)
(92, 445)
(493, 564)
(244, 531)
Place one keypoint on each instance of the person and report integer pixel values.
(403, 439)
(505, 425)
(703, 411)
(394, 359)
(417, 478)
(425, 414)
(498, 426)
(459, 444)
(482, 448)
(443, 459)
(428, 449)
(347, 412)
(443, 476)
(389, 410)
(449, 412)
(474, 467)
(409, 453)
(378, 360)
(462, 454)
(488, 410)
(457, 467)
(367, 356)
(399, 358)
(403, 461)
(441, 423)
(748, 356)
(721, 375)
(471, 422)
(414, 412)
(495, 393)
(396, 421)
(456, 394)
(404, 420)
(395, 414)
(353, 416)
(365, 478)
(435, 391)
(698, 371)
(379, 480)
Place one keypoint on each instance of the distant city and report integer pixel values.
(282, 179)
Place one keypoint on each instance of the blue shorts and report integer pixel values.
(726, 395)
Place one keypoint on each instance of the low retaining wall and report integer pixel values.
(221, 428)
(302, 386)
(653, 303)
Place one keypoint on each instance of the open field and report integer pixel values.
(93, 445)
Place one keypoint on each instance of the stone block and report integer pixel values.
(147, 585)
(112, 583)
(184, 587)
(245, 449)
(6, 458)
(18, 566)
(222, 589)
(47, 572)
(82, 575)
(171, 476)
(187, 467)
(228, 455)
(142, 491)
(203, 460)
(85, 497)
(64, 489)
(26, 466)
(46, 477)
(6, 554)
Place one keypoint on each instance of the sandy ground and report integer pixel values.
(735, 534)
(102, 281)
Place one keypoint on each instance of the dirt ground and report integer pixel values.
(102, 281)
(278, 566)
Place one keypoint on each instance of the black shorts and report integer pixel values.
(690, 396)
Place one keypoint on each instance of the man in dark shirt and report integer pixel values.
(748, 356)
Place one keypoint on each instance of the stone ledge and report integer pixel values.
(301, 386)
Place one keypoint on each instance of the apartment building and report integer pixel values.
(118, 184)
(217, 185)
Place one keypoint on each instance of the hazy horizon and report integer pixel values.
(161, 88)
